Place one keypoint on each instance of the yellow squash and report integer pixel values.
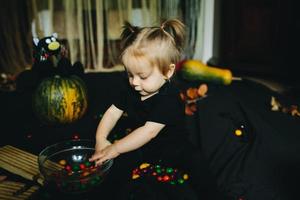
(195, 70)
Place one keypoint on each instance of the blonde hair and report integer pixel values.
(158, 46)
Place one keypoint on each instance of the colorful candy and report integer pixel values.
(77, 171)
(161, 174)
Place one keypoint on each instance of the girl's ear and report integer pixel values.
(171, 71)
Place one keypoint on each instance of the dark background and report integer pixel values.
(258, 38)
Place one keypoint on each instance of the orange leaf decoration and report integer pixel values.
(192, 93)
(188, 110)
(191, 96)
(202, 90)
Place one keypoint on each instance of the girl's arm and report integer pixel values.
(134, 140)
(106, 124)
(138, 137)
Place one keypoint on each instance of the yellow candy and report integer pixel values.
(185, 176)
(238, 132)
(144, 165)
(62, 162)
(135, 176)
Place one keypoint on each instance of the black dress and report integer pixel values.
(166, 108)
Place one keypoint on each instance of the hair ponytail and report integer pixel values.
(176, 30)
(128, 34)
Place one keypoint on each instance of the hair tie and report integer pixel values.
(131, 29)
(162, 26)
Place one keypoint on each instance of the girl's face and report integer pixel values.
(147, 80)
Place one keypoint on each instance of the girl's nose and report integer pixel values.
(135, 81)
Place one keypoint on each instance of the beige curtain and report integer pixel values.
(205, 34)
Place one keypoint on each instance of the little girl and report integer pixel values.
(151, 102)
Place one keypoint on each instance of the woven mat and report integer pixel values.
(21, 163)
(11, 190)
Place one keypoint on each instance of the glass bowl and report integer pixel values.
(66, 166)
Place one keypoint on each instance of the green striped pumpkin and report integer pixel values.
(60, 100)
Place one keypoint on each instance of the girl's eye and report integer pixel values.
(144, 78)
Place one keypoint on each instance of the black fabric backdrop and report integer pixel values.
(263, 163)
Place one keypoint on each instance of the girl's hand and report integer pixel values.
(107, 153)
(101, 144)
